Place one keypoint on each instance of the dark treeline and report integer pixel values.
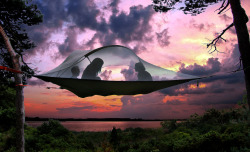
(220, 131)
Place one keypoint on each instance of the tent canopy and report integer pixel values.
(111, 70)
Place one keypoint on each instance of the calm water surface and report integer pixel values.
(101, 125)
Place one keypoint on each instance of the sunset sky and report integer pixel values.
(171, 40)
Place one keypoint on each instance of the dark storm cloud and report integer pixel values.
(212, 66)
(163, 38)
(126, 27)
(54, 13)
(37, 82)
(227, 78)
(212, 99)
(219, 88)
(70, 43)
(84, 13)
(70, 109)
(114, 6)
(132, 26)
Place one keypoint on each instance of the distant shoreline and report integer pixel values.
(97, 119)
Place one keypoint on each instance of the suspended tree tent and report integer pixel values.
(122, 72)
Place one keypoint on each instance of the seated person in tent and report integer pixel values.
(143, 75)
(93, 69)
(75, 71)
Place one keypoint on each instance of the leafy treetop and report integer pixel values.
(14, 16)
(192, 7)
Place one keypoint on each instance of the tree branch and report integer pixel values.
(213, 44)
(223, 7)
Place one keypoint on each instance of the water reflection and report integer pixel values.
(101, 125)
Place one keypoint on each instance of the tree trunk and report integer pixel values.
(240, 20)
(20, 115)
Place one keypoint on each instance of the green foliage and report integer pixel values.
(243, 102)
(54, 128)
(7, 140)
(49, 135)
(169, 126)
(220, 131)
(7, 107)
(214, 131)
(7, 96)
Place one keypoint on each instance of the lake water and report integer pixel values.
(101, 125)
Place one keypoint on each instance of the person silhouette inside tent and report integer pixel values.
(93, 69)
(142, 75)
(75, 71)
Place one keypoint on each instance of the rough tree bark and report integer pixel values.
(20, 115)
(240, 20)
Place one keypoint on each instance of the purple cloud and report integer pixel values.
(106, 75)
(212, 66)
(174, 102)
(36, 82)
(84, 14)
(138, 48)
(54, 13)
(134, 26)
(114, 6)
(129, 74)
(70, 43)
(226, 18)
(163, 38)
(70, 109)
(201, 26)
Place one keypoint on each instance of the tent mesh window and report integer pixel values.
(111, 70)
(118, 64)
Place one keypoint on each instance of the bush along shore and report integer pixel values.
(214, 131)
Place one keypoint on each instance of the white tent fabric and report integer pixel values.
(111, 70)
